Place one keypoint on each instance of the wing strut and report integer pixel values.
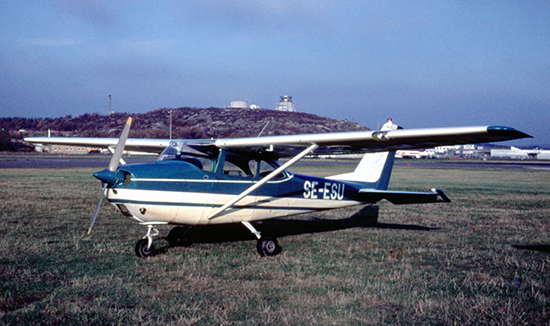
(264, 180)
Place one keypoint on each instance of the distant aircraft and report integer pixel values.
(240, 180)
(415, 154)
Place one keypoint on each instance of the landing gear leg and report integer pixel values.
(267, 245)
(145, 247)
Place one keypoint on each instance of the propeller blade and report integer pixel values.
(115, 160)
(113, 167)
(95, 213)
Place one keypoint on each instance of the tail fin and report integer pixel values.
(374, 169)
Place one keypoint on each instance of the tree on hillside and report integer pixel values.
(5, 141)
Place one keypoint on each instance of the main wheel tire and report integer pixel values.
(268, 246)
(177, 237)
(141, 248)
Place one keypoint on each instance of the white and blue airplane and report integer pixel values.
(240, 180)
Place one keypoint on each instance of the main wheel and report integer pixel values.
(268, 246)
(177, 237)
(141, 248)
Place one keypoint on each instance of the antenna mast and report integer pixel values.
(110, 111)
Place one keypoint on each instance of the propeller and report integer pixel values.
(117, 155)
(111, 175)
(96, 211)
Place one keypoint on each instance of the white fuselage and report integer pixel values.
(194, 208)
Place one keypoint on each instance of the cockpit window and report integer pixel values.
(237, 166)
(169, 153)
(266, 168)
(233, 164)
(233, 170)
(250, 168)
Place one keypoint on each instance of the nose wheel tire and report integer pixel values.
(141, 248)
(268, 246)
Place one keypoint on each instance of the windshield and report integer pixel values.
(179, 151)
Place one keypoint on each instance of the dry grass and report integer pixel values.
(427, 264)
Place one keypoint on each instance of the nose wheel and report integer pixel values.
(143, 250)
(145, 246)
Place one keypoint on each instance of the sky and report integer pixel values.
(422, 63)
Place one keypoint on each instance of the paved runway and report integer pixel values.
(531, 165)
(48, 162)
(52, 162)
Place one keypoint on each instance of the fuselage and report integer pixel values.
(181, 192)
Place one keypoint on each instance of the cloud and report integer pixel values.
(52, 42)
(148, 46)
(99, 13)
(252, 16)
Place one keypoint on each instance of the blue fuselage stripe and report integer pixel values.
(262, 207)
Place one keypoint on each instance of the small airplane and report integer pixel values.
(240, 180)
(415, 154)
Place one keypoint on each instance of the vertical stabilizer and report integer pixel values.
(374, 169)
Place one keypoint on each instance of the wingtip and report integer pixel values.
(512, 132)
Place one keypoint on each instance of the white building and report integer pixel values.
(286, 104)
(522, 154)
(239, 104)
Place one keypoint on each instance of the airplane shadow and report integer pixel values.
(535, 247)
(365, 218)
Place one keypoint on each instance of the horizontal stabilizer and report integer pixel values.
(405, 197)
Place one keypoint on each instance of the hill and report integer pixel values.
(186, 123)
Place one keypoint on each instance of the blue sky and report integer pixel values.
(423, 63)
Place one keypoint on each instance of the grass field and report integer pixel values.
(482, 259)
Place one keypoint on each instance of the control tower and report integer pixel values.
(286, 104)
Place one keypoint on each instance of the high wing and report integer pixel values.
(289, 145)
(132, 144)
(373, 141)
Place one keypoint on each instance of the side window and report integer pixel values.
(207, 164)
(266, 168)
(253, 167)
(246, 168)
(233, 170)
